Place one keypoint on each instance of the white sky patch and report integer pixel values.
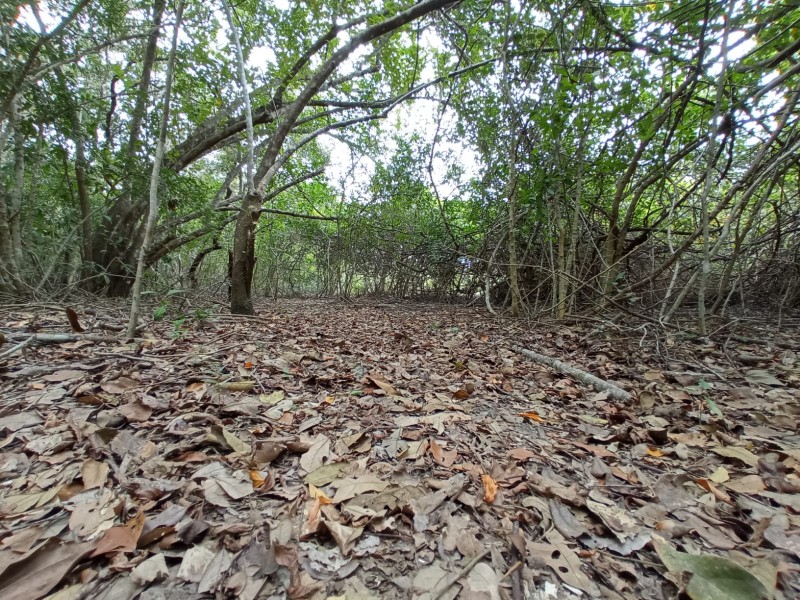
(349, 65)
(738, 47)
(349, 172)
(260, 56)
(27, 17)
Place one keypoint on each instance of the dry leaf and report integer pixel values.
(489, 488)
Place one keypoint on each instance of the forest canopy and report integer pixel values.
(534, 156)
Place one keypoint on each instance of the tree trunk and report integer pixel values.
(10, 274)
(244, 253)
(84, 203)
(17, 191)
(152, 215)
(705, 268)
(511, 184)
(114, 247)
(513, 267)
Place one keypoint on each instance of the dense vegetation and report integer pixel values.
(575, 155)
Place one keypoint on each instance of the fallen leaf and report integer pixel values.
(489, 488)
(383, 384)
(123, 538)
(532, 416)
(40, 571)
(120, 385)
(737, 452)
(711, 577)
(194, 563)
(317, 455)
(153, 569)
(762, 377)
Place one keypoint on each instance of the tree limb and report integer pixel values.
(614, 391)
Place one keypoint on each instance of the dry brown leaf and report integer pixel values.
(383, 384)
(317, 455)
(120, 385)
(34, 574)
(121, 539)
(532, 416)
(737, 452)
(522, 454)
(489, 488)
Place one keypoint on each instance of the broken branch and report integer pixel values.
(615, 392)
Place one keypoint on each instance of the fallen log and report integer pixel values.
(614, 391)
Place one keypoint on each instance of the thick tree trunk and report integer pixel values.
(115, 248)
(244, 252)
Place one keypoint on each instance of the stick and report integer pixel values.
(615, 392)
(454, 578)
(13, 349)
(59, 338)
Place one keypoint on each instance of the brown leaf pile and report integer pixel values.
(330, 450)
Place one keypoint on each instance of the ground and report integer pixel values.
(394, 450)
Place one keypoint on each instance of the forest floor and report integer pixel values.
(398, 450)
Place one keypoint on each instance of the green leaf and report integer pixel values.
(712, 577)
(712, 407)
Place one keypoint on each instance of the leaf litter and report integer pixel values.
(362, 450)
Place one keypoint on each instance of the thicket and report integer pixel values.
(581, 154)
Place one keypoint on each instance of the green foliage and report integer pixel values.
(612, 107)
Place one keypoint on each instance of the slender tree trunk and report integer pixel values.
(152, 216)
(511, 184)
(569, 299)
(86, 211)
(18, 190)
(248, 111)
(511, 192)
(724, 289)
(10, 279)
(709, 177)
(198, 260)
(244, 248)
(84, 203)
(10, 200)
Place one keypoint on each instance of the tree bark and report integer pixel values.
(84, 202)
(198, 260)
(17, 191)
(244, 251)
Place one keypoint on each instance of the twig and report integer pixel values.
(454, 578)
(769, 342)
(14, 349)
(615, 392)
